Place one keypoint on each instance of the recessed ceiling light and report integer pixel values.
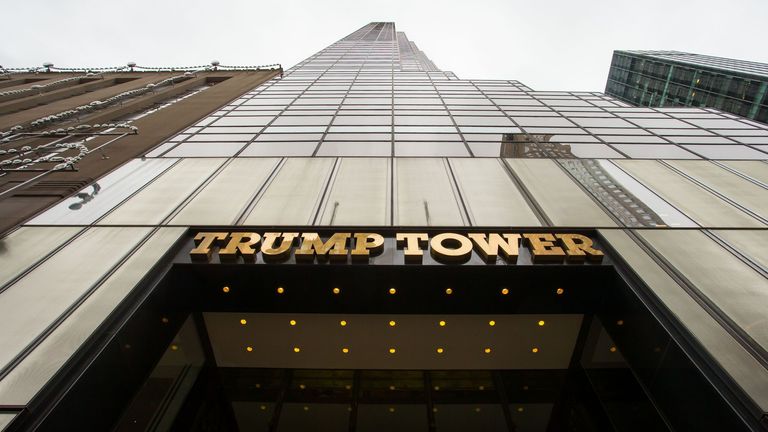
(342, 323)
(442, 323)
(541, 323)
(292, 322)
(280, 290)
(336, 290)
(504, 291)
(225, 289)
(243, 321)
(448, 291)
(392, 323)
(392, 291)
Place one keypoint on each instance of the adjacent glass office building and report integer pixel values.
(369, 243)
(672, 78)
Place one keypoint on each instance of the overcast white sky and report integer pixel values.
(546, 44)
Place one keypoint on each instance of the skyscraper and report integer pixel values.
(370, 243)
(672, 78)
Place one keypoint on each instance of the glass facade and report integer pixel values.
(677, 79)
(101, 306)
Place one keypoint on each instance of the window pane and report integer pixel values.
(360, 194)
(94, 201)
(32, 304)
(490, 194)
(27, 245)
(222, 200)
(745, 193)
(425, 195)
(28, 377)
(560, 198)
(152, 204)
(293, 196)
(701, 206)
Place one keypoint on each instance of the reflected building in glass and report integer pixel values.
(673, 78)
(369, 243)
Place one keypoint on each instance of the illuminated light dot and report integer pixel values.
(612, 349)
(302, 386)
(258, 386)
(392, 291)
(434, 409)
(306, 408)
(481, 388)
(280, 290)
(520, 409)
(263, 407)
(296, 349)
(448, 291)
(620, 322)
(348, 387)
(541, 323)
(534, 350)
(392, 350)
(174, 347)
(491, 323)
(559, 291)
(243, 321)
(349, 409)
(440, 350)
(487, 350)
(336, 290)
(225, 289)
(391, 387)
(342, 323)
(164, 320)
(437, 388)
(477, 409)
(525, 387)
(292, 322)
(250, 349)
(391, 409)
(442, 323)
(345, 350)
(392, 323)
(504, 291)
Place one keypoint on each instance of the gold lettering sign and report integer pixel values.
(413, 243)
(242, 243)
(446, 247)
(205, 242)
(312, 244)
(282, 251)
(543, 248)
(579, 247)
(450, 248)
(488, 246)
(367, 244)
